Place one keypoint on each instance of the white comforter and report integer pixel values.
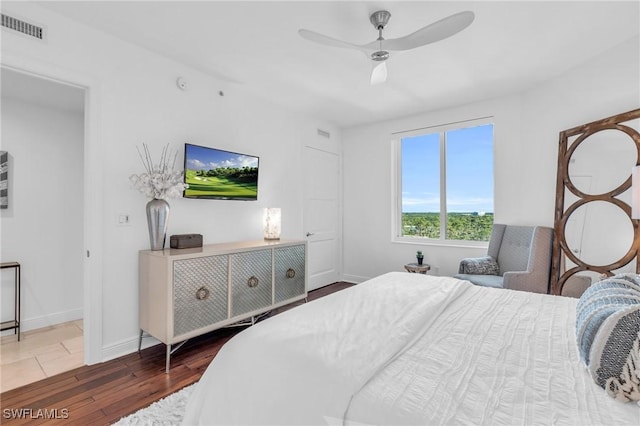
(408, 349)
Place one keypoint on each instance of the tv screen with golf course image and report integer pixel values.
(217, 174)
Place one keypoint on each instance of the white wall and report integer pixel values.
(42, 229)
(134, 99)
(526, 147)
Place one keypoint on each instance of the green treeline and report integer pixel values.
(460, 226)
(248, 173)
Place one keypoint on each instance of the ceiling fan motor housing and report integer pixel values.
(379, 19)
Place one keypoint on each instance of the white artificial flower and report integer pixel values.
(160, 180)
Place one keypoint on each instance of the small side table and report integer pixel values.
(15, 324)
(415, 268)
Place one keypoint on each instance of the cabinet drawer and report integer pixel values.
(199, 293)
(250, 281)
(289, 272)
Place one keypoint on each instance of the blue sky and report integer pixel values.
(203, 158)
(469, 171)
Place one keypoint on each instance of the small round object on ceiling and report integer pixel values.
(181, 83)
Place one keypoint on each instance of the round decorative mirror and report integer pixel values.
(599, 233)
(602, 161)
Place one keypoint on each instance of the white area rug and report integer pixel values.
(167, 411)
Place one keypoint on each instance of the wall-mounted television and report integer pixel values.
(217, 174)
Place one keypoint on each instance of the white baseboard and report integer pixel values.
(126, 347)
(357, 279)
(49, 320)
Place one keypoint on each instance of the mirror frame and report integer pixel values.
(562, 213)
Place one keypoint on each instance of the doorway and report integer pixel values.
(322, 216)
(43, 128)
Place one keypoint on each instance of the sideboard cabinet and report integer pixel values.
(184, 293)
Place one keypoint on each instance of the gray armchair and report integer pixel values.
(518, 258)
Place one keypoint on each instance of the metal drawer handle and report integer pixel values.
(252, 282)
(202, 293)
(291, 273)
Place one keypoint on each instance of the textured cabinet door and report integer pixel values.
(199, 293)
(289, 272)
(250, 281)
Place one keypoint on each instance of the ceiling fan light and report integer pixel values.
(380, 55)
(379, 74)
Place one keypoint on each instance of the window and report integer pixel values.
(445, 184)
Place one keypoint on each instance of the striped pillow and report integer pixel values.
(600, 311)
(608, 334)
(623, 281)
(615, 355)
(598, 302)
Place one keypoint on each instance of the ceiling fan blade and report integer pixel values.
(379, 73)
(437, 31)
(328, 41)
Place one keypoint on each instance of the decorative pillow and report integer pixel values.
(615, 286)
(594, 315)
(624, 281)
(598, 302)
(630, 278)
(479, 266)
(615, 355)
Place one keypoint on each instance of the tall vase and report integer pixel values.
(157, 219)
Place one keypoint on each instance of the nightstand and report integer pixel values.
(415, 268)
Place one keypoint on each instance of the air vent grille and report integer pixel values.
(22, 27)
(324, 133)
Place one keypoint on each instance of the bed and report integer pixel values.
(408, 349)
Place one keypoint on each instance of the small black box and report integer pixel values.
(185, 241)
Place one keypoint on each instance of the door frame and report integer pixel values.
(92, 192)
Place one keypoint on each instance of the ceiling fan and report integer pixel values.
(379, 50)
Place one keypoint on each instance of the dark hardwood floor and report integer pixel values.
(103, 393)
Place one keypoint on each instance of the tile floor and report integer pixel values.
(40, 353)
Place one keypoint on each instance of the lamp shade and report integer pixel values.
(272, 223)
(635, 192)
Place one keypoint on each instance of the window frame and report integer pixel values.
(396, 181)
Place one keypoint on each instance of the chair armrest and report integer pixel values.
(525, 281)
(486, 265)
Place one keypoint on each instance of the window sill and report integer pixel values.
(440, 243)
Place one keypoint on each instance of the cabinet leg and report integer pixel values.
(140, 341)
(166, 370)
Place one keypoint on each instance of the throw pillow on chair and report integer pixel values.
(486, 265)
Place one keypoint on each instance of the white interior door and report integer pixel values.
(321, 216)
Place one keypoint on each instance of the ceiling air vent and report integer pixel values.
(324, 133)
(22, 27)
